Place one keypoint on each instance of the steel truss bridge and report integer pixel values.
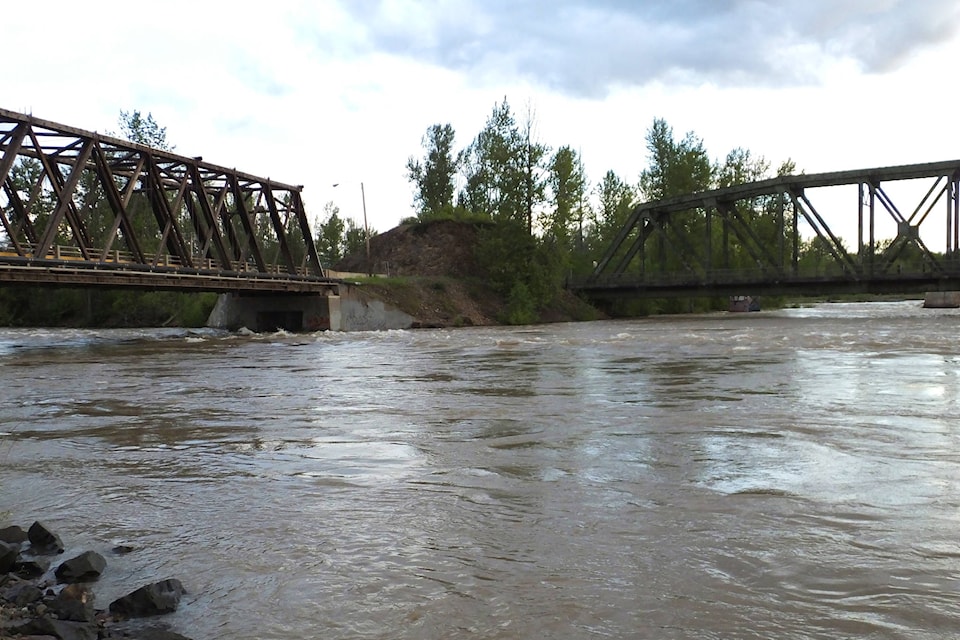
(82, 209)
(749, 239)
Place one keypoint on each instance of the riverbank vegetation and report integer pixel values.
(543, 220)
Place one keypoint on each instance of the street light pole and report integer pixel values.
(366, 227)
(366, 230)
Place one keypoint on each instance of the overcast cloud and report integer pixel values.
(590, 47)
(317, 92)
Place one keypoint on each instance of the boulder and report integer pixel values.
(43, 540)
(73, 603)
(32, 568)
(61, 629)
(22, 594)
(9, 554)
(13, 535)
(139, 632)
(85, 567)
(152, 599)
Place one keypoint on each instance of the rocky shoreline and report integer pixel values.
(42, 598)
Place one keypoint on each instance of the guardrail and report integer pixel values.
(124, 258)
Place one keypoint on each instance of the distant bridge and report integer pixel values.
(747, 239)
(83, 209)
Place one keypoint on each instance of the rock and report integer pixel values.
(73, 603)
(85, 567)
(13, 535)
(61, 629)
(152, 599)
(43, 540)
(121, 549)
(140, 632)
(33, 568)
(9, 554)
(22, 594)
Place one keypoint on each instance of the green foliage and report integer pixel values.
(32, 307)
(355, 238)
(520, 306)
(504, 252)
(143, 130)
(434, 178)
(526, 271)
(676, 168)
(504, 169)
(330, 235)
(616, 200)
(568, 186)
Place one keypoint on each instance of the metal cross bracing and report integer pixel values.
(769, 237)
(79, 208)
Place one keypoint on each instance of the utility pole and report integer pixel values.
(366, 230)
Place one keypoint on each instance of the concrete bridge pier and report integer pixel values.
(266, 313)
(343, 308)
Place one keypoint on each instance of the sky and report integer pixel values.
(342, 91)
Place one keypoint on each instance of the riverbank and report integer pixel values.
(443, 301)
(44, 596)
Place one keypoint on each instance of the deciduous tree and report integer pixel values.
(434, 178)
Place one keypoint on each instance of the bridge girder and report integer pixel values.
(95, 201)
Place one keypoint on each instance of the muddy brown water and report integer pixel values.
(787, 474)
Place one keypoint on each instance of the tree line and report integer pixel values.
(549, 221)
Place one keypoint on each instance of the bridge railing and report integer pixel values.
(122, 259)
(825, 271)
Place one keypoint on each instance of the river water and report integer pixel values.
(787, 474)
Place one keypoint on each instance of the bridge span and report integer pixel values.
(78, 208)
(81, 209)
(769, 237)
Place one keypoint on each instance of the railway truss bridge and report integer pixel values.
(82, 209)
(789, 236)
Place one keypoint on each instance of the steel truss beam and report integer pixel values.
(701, 257)
(68, 195)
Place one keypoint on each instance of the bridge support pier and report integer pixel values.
(941, 300)
(266, 313)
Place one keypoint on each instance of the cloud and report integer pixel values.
(588, 47)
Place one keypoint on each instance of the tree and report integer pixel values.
(675, 167)
(616, 198)
(434, 177)
(330, 235)
(532, 170)
(504, 169)
(741, 167)
(568, 185)
(143, 130)
(491, 161)
(355, 238)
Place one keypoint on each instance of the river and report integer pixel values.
(787, 474)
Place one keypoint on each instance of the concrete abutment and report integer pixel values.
(347, 309)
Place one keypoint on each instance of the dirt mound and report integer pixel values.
(436, 248)
(434, 277)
